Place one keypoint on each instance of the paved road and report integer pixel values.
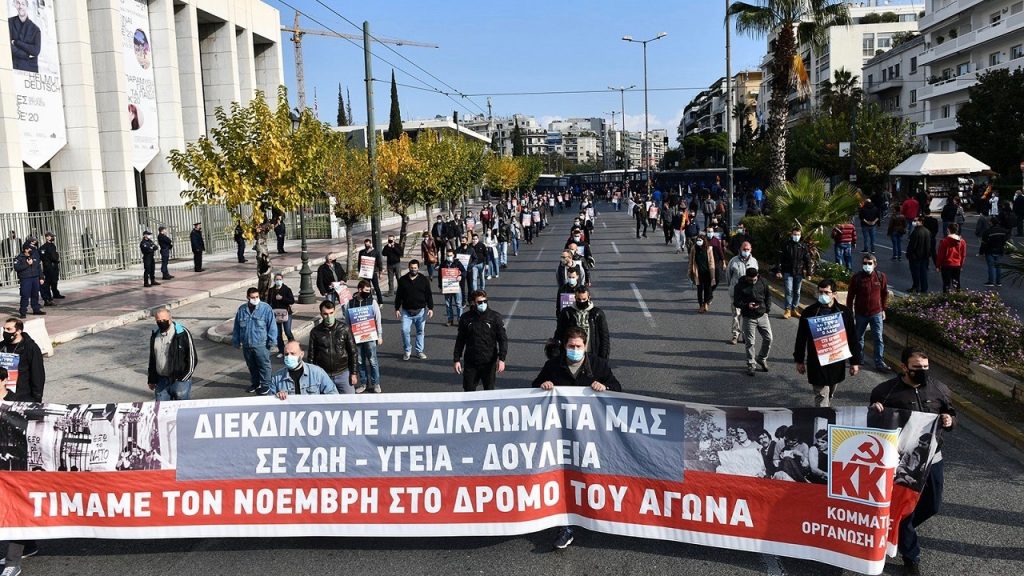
(673, 353)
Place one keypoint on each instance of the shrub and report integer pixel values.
(837, 272)
(766, 237)
(978, 325)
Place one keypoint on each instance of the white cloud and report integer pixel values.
(635, 122)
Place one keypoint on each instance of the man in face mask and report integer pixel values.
(328, 275)
(735, 272)
(794, 265)
(366, 352)
(369, 251)
(868, 296)
(482, 343)
(825, 378)
(149, 250)
(172, 359)
(255, 332)
(298, 376)
(589, 318)
(332, 347)
(30, 276)
(566, 297)
(753, 298)
(914, 390)
(414, 304)
(451, 268)
(393, 253)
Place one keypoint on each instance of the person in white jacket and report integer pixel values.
(736, 270)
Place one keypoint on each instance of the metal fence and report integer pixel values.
(93, 241)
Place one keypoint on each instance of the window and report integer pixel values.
(884, 41)
(897, 101)
(944, 146)
(995, 18)
(993, 59)
(1017, 51)
(962, 69)
(897, 70)
(913, 97)
(885, 75)
(1017, 8)
(913, 64)
(947, 73)
(871, 79)
(868, 45)
(944, 112)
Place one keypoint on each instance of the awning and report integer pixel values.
(939, 164)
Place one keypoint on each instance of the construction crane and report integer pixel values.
(298, 32)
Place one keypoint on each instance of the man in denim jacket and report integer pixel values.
(298, 377)
(255, 332)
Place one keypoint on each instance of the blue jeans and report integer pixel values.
(408, 321)
(478, 280)
(995, 271)
(868, 232)
(897, 246)
(257, 360)
(503, 254)
(792, 284)
(430, 269)
(515, 245)
(342, 384)
(927, 506)
(169, 389)
(369, 370)
(876, 323)
(844, 255)
(453, 306)
(492, 263)
(284, 329)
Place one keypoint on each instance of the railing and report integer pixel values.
(94, 241)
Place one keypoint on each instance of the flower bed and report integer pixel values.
(976, 324)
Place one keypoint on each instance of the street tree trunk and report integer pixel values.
(351, 270)
(778, 103)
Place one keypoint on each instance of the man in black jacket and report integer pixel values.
(195, 238)
(920, 252)
(26, 39)
(280, 232)
(393, 253)
(574, 367)
(414, 303)
(30, 276)
(825, 379)
(172, 359)
(166, 244)
(483, 341)
(753, 299)
(588, 318)
(332, 348)
(993, 247)
(369, 251)
(239, 238)
(148, 249)
(794, 266)
(31, 374)
(914, 391)
(51, 269)
(327, 274)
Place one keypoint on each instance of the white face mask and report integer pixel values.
(254, 301)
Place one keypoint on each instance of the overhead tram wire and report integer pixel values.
(403, 56)
(429, 88)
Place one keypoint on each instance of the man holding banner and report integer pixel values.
(825, 340)
(483, 341)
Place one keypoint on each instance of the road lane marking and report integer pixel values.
(643, 305)
(772, 565)
(604, 224)
(616, 248)
(541, 251)
(511, 312)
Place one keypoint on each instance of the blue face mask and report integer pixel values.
(291, 362)
(795, 237)
(574, 355)
(572, 281)
(825, 299)
(481, 307)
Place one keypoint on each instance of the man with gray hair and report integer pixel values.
(737, 270)
(172, 358)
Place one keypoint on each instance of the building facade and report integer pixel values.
(893, 80)
(115, 86)
(846, 48)
(706, 112)
(963, 39)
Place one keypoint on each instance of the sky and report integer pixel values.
(503, 49)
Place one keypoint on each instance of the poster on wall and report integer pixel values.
(37, 86)
(138, 65)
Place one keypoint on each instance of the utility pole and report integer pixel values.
(371, 138)
(625, 153)
(298, 32)
(730, 186)
(609, 138)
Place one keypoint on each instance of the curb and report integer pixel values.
(302, 327)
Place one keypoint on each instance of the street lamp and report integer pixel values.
(306, 294)
(645, 143)
(625, 153)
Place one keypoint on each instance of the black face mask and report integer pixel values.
(583, 305)
(163, 325)
(9, 337)
(919, 377)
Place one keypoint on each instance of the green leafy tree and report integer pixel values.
(398, 171)
(673, 158)
(883, 141)
(518, 149)
(530, 169)
(793, 20)
(347, 182)
(991, 122)
(807, 202)
(343, 119)
(395, 129)
(252, 158)
(348, 106)
(842, 94)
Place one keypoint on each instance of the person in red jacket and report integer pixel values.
(910, 209)
(867, 297)
(844, 239)
(950, 258)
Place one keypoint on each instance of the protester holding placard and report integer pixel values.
(332, 348)
(450, 280)
(370, 265)
(481, 344)
(280, 297)
(393, 253)
(328, 275)
(826, 339)
(566, 296)
(369, 369)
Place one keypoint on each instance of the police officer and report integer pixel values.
(198, 245)
(239, 238)
(483, 342)
(51, 269)
(149, 249)
(30, 272)
(166, 244)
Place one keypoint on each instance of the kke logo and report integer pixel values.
(862, 463)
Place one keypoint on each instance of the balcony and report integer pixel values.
(937, 126)
(949, 86)
(950, 46)
(884, 85)
(947, 11)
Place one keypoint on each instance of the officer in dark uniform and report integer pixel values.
(149, 249)
(30, 273)
(198, 245)
(51, 269)
(240, 243)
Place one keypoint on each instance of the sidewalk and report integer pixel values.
(111, 299)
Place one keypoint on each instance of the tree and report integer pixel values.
(517, 140)
(883, 141)
(840, 95)
(530, 168)
(991, 122)
(397, 172)
(673, 159)
(501, 173)
(348, 106)
(395, 125)
(343, 119)
(347, 182)
(252, 158)
(806, 202)
(903, 37)
(803, 20)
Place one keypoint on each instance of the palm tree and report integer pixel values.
(807, 202)
(792, 20)
(840, 95)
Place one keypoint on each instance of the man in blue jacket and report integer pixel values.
(30, 272)
(255, 332)
(298, 377)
